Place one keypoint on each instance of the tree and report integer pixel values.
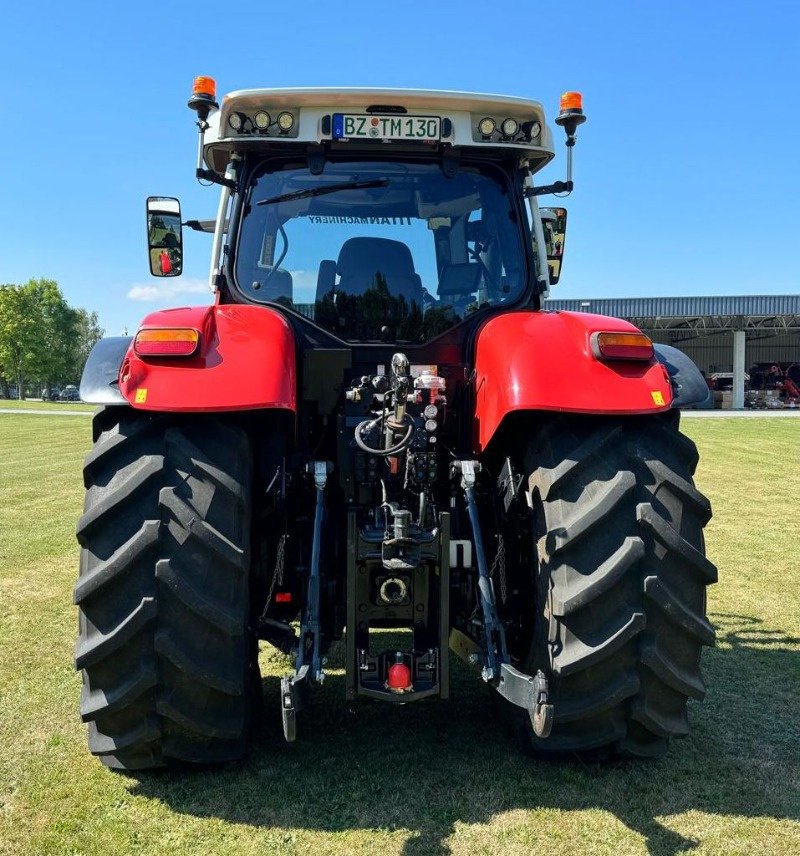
(57, 345)
(89, 332)
(19, 349)
(43, 338)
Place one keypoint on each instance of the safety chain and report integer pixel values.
(499, 564)
(277, 576)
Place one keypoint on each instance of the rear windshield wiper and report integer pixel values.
(320, 191)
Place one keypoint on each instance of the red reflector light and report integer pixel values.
(621, 346)
(166, 342)
(283, 597)
(399, 678)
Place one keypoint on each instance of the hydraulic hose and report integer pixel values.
(369, 424)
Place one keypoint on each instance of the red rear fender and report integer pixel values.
(245, 360)
(544, 361)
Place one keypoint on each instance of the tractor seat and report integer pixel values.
(362, 260)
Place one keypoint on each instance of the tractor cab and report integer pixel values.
(378, 215)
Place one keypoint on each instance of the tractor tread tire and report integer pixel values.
(163, 590)
(621, 586)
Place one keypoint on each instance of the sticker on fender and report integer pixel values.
(658, 398)
(141, 396)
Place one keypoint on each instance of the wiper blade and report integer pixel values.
(321, 191)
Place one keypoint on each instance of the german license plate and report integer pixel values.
(358, 126)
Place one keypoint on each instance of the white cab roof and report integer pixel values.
(312, 109)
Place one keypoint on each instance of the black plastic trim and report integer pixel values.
(689, 387)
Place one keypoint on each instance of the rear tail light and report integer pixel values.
(621, 346)
(166, 342)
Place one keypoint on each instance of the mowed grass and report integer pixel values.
(33, 404)
(430, 778)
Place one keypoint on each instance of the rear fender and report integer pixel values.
(543, 361)
(246, 360)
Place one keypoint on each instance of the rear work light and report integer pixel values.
(166, 342)
(621, 346)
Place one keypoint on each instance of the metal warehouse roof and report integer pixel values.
(760, 310)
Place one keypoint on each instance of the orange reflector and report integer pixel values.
(571, 101)
(205, 86)
(283, 597)
(621, 346)
(166, 342)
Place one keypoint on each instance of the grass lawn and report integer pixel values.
(28, 404)
(435, 777)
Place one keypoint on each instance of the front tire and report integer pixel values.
(621, 582)
(163, 591)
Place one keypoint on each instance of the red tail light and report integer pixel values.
(621, 346)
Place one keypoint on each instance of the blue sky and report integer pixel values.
(687, 179)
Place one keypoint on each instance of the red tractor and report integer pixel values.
(376, 425)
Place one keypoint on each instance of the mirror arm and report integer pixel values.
(543, 189)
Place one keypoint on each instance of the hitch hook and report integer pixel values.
(542, 714)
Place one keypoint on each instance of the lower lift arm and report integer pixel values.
(530, 693)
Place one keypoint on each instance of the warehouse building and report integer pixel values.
(721, 334)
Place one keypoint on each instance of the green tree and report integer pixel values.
(19, 346)
(89, 332)
(43, 338)
(56, 354)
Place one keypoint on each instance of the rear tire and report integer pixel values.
(621, 583)
(163, 591)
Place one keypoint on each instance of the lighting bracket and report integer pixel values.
(210, 175)
(555, 187)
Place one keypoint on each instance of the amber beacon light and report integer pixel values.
(204, 97)
(571, 101)
(571, 114)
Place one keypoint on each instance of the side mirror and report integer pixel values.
(554, 226)
(164, 236)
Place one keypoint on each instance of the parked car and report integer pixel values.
(69, 393)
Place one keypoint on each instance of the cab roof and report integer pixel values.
(312, 108)
(328, 96)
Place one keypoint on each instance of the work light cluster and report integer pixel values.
(261, 122)
(508, 129)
